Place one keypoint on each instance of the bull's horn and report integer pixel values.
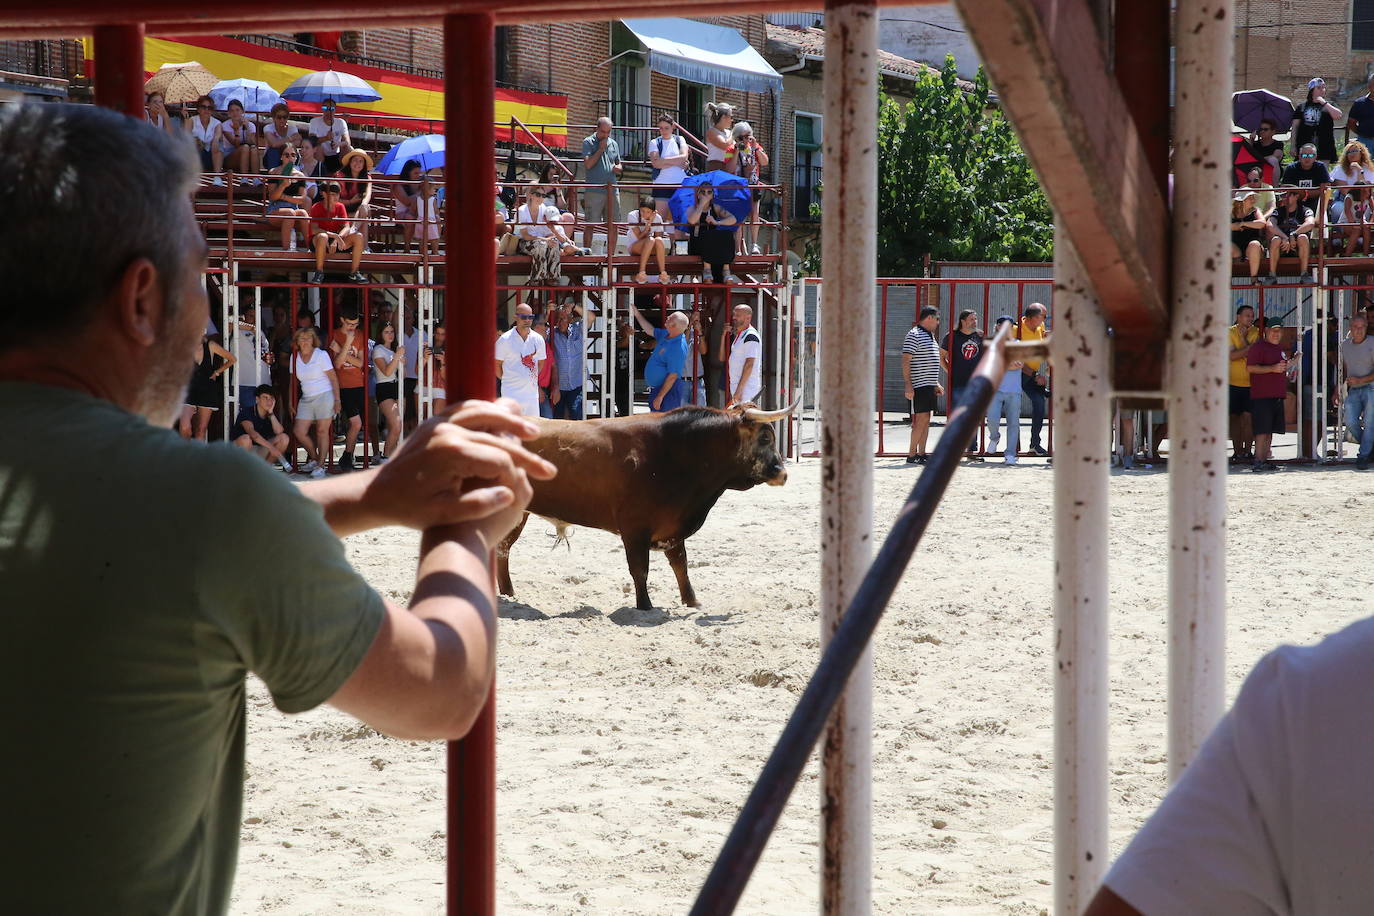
(759, 415)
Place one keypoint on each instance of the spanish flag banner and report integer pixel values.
(410, 103)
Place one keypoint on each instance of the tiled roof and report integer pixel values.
(793, 42)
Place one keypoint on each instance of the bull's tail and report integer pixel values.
(562, 535)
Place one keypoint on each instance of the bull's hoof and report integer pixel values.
(691, 602)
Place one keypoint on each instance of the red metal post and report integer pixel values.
(470, 277)
(119, 68)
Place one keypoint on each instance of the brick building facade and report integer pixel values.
(1280, 45)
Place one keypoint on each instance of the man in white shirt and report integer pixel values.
(518, 354)
(1274, 814)
(332, 135)
(746, 358)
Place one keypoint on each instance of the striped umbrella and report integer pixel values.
(331, 84)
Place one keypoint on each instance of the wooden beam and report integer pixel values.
(1048, 64)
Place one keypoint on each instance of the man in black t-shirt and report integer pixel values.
(1360, 120)
(1292, 225)
(1267, 148)
(1308, 172)
(959, 354)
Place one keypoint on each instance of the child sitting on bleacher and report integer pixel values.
(427, 212)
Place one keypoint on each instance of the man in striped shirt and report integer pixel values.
(566, 389)
(921, 369)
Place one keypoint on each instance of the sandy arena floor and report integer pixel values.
(628, 739)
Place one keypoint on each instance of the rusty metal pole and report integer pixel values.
(1196, 377)
(1082, 391)
(849, 251)
(119, 68)
(470, 305)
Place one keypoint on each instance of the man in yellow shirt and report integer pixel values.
(1035, 373)
(1242, 335)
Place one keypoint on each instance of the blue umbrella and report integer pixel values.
(732, 193)
(1251, 107)
(253, 95)
(428, 150)
(330, 84)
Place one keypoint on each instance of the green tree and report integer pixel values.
(953, 181)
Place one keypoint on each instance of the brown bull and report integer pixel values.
(650, 478)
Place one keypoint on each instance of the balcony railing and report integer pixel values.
(806, 190)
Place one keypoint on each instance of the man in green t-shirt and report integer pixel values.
(144, 576)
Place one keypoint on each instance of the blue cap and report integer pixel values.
(1002, 319)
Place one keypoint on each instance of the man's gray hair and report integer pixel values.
(85, 191)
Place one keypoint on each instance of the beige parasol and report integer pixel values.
(181, 82)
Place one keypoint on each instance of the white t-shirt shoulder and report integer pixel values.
(511, 350)
(311, 374)
(293, 133)
(673, 146)
(332, 133)
(638, 229)
(1274, 815)
(386, 355)
(228, 135)
(538, 227)
(204, 133)
(1357, 175)
(747, 345)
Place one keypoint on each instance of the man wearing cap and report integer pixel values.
(1268, 369)
(332, 135)
(1315, 122)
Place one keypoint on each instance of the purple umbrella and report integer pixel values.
(1251, 107)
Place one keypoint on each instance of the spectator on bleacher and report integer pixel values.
(405, 195)
(427, 216)
(1241, 337)
(252, 354)
(744, 362)
(414, 346)
(1314, 122)
(1247, 231)
(387, 358)
(1267, 148)
(750, 159)
(310, 163)
(540, 234)
(566, 342)
(1355, 168)
(205, 130)
(257, 429)
(644, 236)
(1307, 172)
(1357, 355)
(205, 393)
(502, 224)
(434, 372)
(720, 144)
(1265, 199)
(348, 347)
(319, 402)
(707, 238)
(157, 115)
(1035, 373)
(1292, 226)
(921, 374)
(1268, 369)
(555, 192)
(546, 379)
(1356, 217)
(664, 366)
(518, 354)
(330, 230)
(601, 160)
(668, 156)
(286, 200)
(239, 142)
(276, 134)
(1006, 402)
(332, 135)
(355, 189)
